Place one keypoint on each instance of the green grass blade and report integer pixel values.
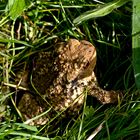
(3, 40)
(28, 127)
(26, 135)
(100, 12)
(17, 8)
(136, 41)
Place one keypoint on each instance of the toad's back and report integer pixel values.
(67, 71)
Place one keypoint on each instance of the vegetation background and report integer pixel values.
(27, 27)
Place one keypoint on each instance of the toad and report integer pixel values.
(61, 78)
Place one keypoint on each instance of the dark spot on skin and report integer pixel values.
(87, 65)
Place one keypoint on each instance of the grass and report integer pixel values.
(24, 33)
